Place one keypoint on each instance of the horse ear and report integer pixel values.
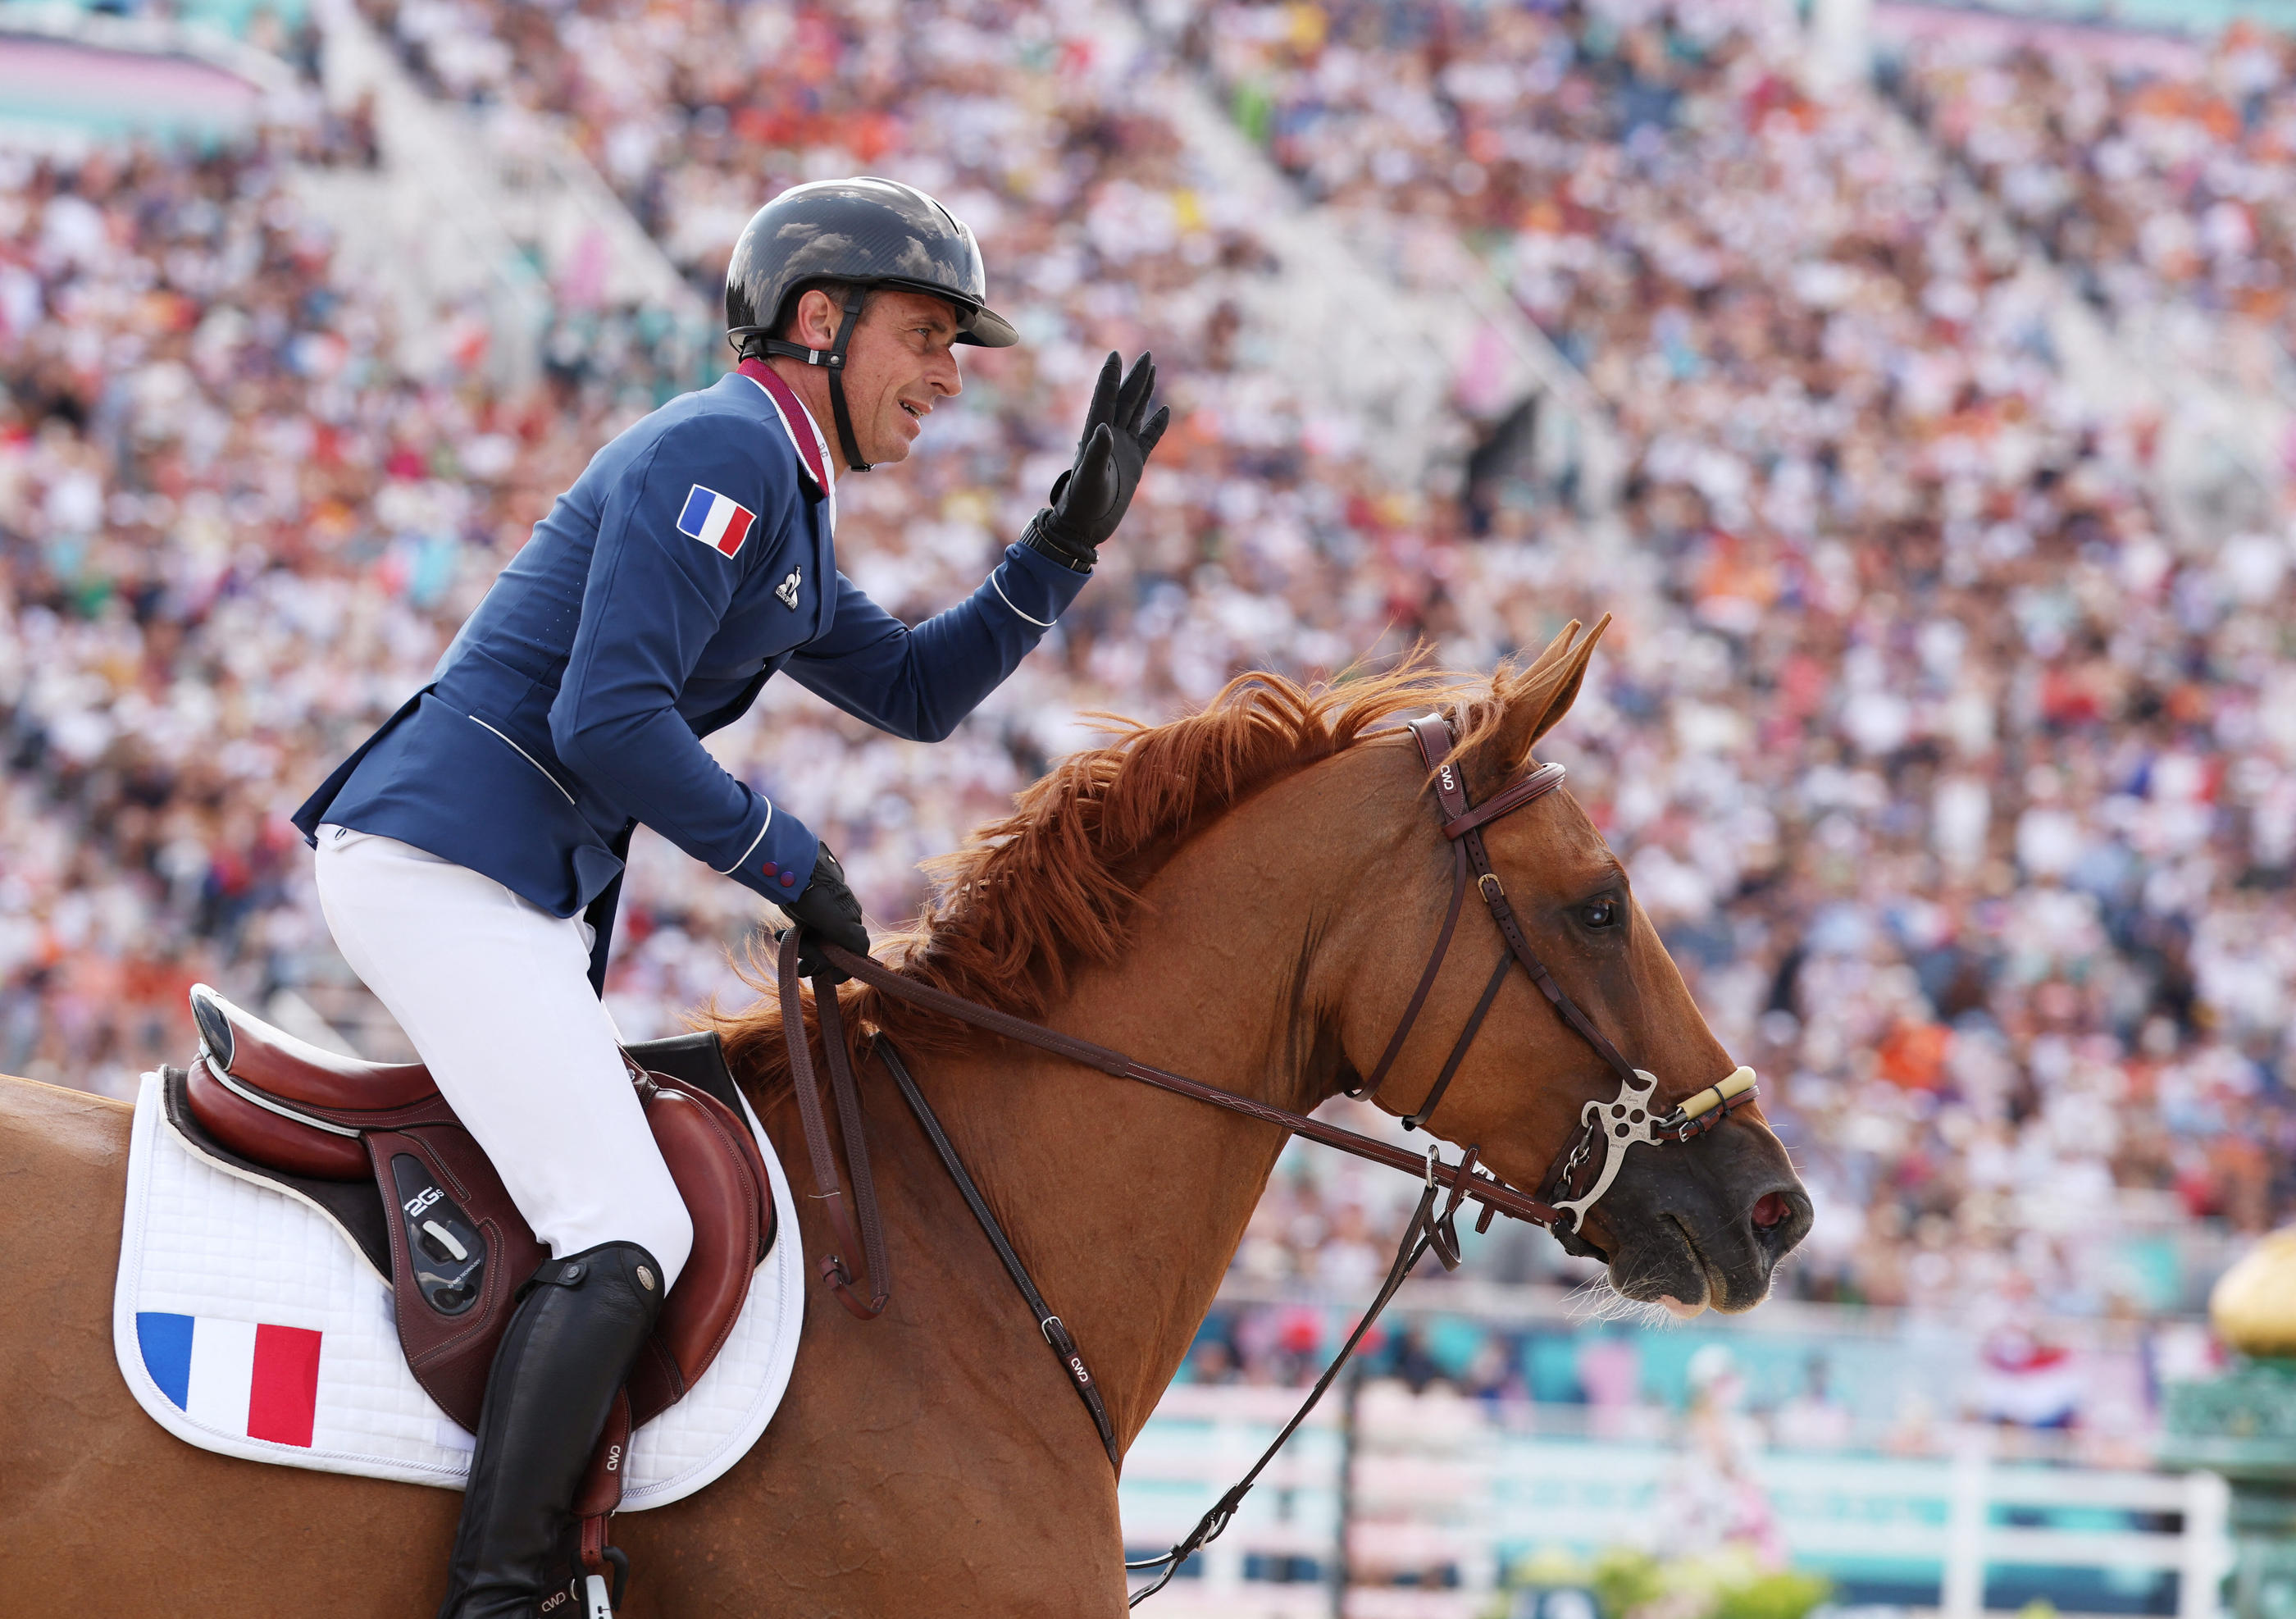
(1526, 706)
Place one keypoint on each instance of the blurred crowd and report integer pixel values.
(233, 526)
(1960, 778)
(1958, 775)
(2159, 179)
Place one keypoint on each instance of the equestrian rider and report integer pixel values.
(470, 852)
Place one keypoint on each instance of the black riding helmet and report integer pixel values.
(868, 232)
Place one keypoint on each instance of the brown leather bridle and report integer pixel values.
(1625, 1119)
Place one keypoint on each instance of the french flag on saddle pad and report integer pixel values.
(717, 522)
(242, 1377)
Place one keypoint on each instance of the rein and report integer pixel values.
(1627, 1119)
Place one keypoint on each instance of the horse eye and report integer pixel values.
(1600, 913)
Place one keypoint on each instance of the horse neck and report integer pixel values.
(1129, 1202)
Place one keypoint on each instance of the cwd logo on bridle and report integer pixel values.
(1450, 783)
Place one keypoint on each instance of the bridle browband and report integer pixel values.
(1627, 1119)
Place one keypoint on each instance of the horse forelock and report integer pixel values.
(1054, 887)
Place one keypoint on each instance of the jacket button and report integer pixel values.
(789, 879)
(769, 869)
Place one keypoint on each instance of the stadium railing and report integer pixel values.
(1446, 1495)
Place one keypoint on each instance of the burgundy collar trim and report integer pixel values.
(808, 443)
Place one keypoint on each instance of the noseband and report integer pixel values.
(1619, 1123)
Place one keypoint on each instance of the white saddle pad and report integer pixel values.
(246, 1322)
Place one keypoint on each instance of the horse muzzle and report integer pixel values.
(1705, 1229)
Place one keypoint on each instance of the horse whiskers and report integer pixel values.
(1596, 1299)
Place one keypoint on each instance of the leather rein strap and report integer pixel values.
(1461, 1177)
(1055, 1331)
(827, 1190)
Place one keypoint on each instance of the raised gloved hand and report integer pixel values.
(827, 909)
(1089, 499)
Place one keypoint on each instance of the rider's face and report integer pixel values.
(899, 365)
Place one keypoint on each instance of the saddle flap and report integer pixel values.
(459, 1251)
(714, 1160)
(274, 1062)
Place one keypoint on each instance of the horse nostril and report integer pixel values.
(1771, 1211)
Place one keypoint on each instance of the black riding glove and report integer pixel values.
(828, 910)
(1089, 499)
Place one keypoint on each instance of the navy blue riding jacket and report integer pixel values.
(690, 561)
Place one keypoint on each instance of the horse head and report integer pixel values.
(1194, 895)
(1683, 1224)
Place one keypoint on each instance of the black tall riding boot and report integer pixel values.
(567, 1349)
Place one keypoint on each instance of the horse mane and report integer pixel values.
(1053, 886)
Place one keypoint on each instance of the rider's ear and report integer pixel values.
(1526, 706)
(817, 316)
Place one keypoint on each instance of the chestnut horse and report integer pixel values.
(1245, 896)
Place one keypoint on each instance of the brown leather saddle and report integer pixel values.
(375, 1147)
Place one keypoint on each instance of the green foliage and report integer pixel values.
(1624, 1582)
(1631, 1584)
(1775, 1593)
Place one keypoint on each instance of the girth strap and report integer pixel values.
(1055, 1332)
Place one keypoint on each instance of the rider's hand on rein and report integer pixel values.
(1089, 499)
(829, 911)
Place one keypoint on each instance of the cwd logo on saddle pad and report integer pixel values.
(249, 1378)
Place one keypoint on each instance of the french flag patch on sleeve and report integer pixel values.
(241, 1378)
(717, 522)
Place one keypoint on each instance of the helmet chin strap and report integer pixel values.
(833, 358)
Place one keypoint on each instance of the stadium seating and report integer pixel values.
(1955, 768)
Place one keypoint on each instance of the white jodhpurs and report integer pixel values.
(494, 993)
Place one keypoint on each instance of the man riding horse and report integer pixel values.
(470, 853)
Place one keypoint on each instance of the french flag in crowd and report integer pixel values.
(242, 1377)
(717, 522)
